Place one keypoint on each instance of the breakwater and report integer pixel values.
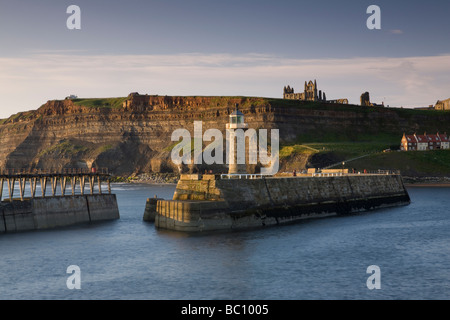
(32, 212)
(212, 202)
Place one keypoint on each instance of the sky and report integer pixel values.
(223, 48)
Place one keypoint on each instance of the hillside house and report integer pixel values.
(434, 142)
(422, 142)
(445, 141)
(425, 142)
(409, 143)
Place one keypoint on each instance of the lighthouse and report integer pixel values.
(236, 122)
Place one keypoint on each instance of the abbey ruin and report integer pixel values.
(310, 93)
(365, 101)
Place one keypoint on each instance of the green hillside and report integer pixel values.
(371, 156)
(100, 102)
(411, 163)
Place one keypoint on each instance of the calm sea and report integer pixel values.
(316, 259)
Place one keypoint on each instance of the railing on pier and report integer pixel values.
(365, 172)
(387, 172)
(338, 173)
(12, 171)
(73, 176)
(355, 173)
(243, 176)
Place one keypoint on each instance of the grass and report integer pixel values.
(347, 136)
(317, 105)
(287, 151)
(64, 147)
(370, 148)
(100, 102)
(412, 163)
(341, 145)
(104, 148)
(352, 149)
(24, 115)
(433, 162)
(182, 144)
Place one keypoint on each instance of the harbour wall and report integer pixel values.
(58, 211)
(210, 203)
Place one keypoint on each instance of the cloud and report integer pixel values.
(396, 31)
(28, 82)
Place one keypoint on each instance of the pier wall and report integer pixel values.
(209, 203)
(52, 212)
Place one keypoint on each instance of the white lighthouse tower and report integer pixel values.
(236, 122)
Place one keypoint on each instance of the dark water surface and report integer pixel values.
(316, 259)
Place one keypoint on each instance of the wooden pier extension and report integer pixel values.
(42, 210)
(73, 176)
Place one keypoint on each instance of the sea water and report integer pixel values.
(316, 259)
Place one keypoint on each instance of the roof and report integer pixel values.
(433, 138)
(443, 137)
(236, 112)
(427, 138)
(411, 138)
(421, 139)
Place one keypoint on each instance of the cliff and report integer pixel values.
(133, 135)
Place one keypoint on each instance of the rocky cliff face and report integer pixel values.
(135, 137)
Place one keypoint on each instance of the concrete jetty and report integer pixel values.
(215, 202)
(59, 207)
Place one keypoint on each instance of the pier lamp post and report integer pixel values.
(343, 164)
(236, 122)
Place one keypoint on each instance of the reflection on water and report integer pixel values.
(317, 259)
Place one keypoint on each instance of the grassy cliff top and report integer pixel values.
(377, 114)
(117, 102)
(100, 102)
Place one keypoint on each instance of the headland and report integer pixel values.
(131, 135)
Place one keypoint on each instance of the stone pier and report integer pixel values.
(210, 202)
(48, 209)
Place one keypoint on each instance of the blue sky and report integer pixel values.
(210, 47)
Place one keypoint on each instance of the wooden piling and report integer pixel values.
(11, 188)
(43, 186)
(73, 181)
(33, 182)
(11, 176)
(22, 181)
(1, 188)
